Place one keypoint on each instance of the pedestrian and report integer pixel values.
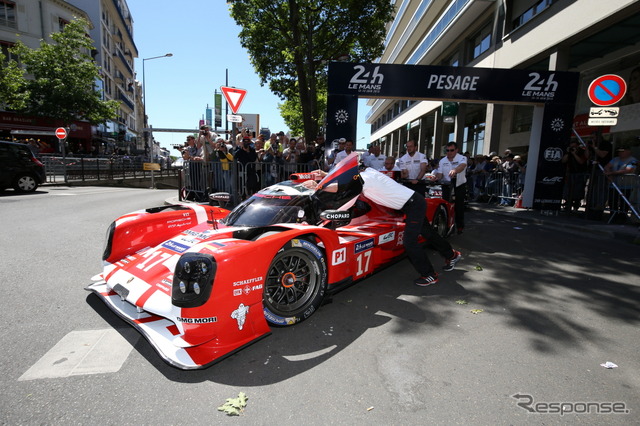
(576, 161)
(452, 173)
(621, 170)
(382, 190)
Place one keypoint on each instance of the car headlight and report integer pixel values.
(193, 280)
(109, 241)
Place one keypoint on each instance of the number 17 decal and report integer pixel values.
(364, 260)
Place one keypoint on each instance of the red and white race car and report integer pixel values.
(201, 282)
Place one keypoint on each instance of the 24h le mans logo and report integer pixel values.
(342, 116)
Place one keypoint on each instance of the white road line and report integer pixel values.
(84, 352)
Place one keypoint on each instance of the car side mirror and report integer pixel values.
(222, 198)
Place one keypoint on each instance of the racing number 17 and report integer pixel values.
(363, 262)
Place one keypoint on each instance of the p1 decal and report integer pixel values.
(339, 256)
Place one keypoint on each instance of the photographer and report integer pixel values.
(205, 143)
(576, 161)
(247, 157)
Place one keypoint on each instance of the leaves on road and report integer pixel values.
(234, 406)
(478, 267)
(461, 302)
(476, 311)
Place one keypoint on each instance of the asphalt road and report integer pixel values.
(554, 306)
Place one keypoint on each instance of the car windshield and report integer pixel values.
(281, 203)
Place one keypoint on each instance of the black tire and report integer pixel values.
(440, 222)
(25, 183)
(295, 283)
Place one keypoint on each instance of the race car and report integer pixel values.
(201, 282)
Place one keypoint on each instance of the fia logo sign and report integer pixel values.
(553, 154)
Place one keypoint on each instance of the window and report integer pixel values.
(534, 10)
(482, 41)
(8, 14)
(521, 119)
(5, 45)
(61, 24)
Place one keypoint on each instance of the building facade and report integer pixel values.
(590, 37)
(112, 34)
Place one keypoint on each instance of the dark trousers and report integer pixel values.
(460, 193)
(416, 224)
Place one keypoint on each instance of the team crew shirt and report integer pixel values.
(445, 166)
(412, 163)
(387, 192)
(373, 161)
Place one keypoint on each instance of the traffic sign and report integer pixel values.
(602, 121)
(607, 90)
(61, 133)
(233, 96)
(234, 118)
(604, 112)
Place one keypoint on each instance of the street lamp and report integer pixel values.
(144, 100)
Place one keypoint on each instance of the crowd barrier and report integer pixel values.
(69, 169)
(199, 179)
(593, 191)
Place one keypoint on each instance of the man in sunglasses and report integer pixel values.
(452, 173)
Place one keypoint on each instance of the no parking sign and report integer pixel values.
(607, 90)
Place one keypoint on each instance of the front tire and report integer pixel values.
(295, 284)
(25, 183)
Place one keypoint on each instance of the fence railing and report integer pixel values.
(595, 192)
(70, 169)
(199, 179)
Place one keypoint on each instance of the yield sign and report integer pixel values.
(233, 96)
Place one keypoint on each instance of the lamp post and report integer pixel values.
(144, 101)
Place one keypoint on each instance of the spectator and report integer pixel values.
(331, 159)
(577, 167)
(452, 173)
(413, 165)
(618, 167)
(225, 158)
(290, 157)
(509, 169)
(348, 149)
(246, 158)
(390, 164)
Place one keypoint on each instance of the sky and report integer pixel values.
(203, 39)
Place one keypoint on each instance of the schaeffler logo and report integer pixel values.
(557, 124)
(342, 116)
(553, 154)
(365, 81)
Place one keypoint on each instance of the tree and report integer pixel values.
(292, 114)
(62, 79)
(11, 84)
(291, 42)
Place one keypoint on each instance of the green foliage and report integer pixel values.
(63, 77)
(461, 302)
(12, 93)
(292, 113)
(291, 43)
(234, 406)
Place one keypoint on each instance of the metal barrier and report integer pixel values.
(603, 196)
(70, 169)
(199, 178)
(507, 187)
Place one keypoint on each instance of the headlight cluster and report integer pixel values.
(109, 241)
(193, 280)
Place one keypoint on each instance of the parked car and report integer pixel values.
(19, 168)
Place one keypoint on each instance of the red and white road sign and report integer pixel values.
(234, 97)
(61, 133)
(607, 90)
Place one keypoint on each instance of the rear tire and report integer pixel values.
(440, 222)
(295, 284)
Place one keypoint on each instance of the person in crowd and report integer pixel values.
(331, 159)
(413, 165)
(452, 173)
(375, 159)
(521, 171)
(620, 171)
(384, 191)
(246, 158)
(602, 151)
(479, 177)
(509, 169)
(576, 161)
(290, 157)
(319, 149)
(221, 151)
(348, 149)
(307, 155)
(269, 158)
(364, 158)
(390, 164)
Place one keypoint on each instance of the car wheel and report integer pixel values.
(295, 283)
(440, 222)
(25, 183)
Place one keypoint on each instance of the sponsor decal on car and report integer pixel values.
(240, 315)
(339, 256)
(278, 320)
(364, 245)
(247, 281)
(400, 238)
(307, 245)
(197, 320)
(246, 290)
(173, 246)
(385, 238)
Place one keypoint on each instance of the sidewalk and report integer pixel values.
(576, 223)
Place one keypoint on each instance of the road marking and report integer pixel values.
(85, 352)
